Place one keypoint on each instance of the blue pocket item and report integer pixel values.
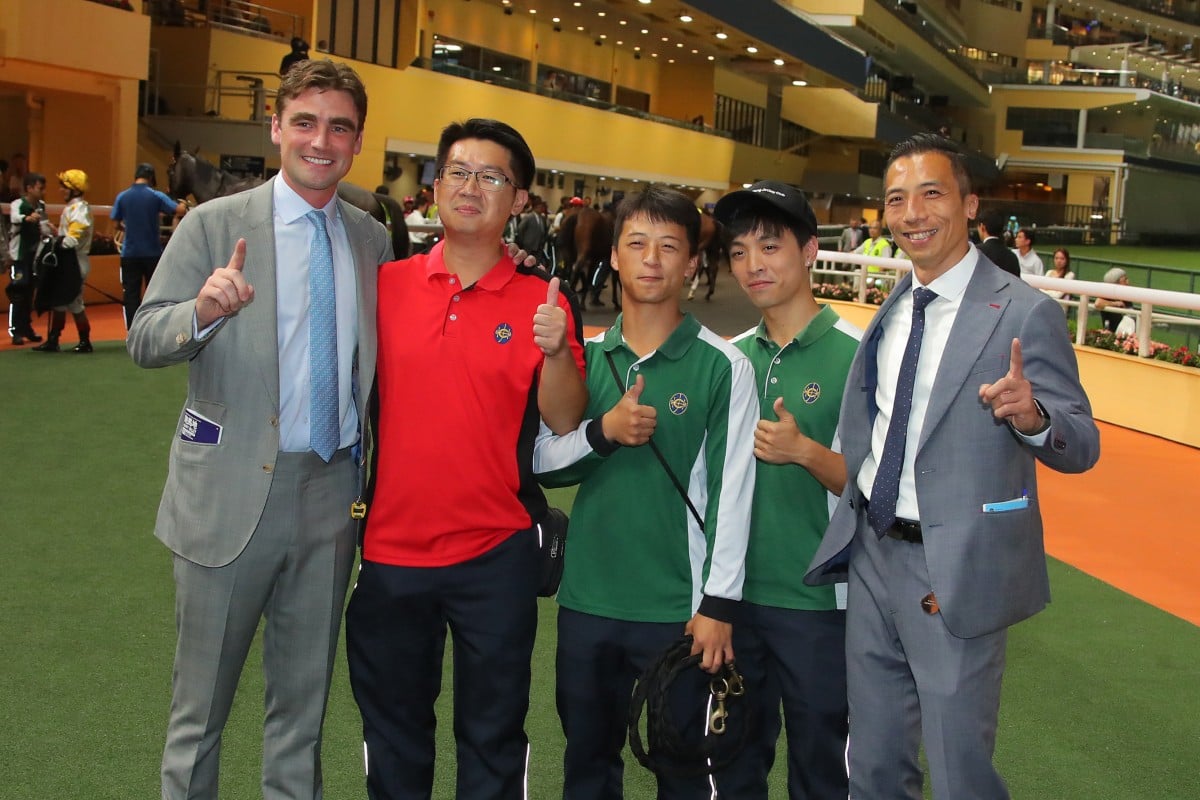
(1007, 505)
(199, 430)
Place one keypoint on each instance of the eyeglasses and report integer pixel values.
(489, 180)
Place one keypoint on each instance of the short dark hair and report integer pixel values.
(660, 204)
(145, 172)
(933, 143)
(32, 179)
(1028, 235)
(324, 75)
(771, 219)
(993, 220)
(520, 157)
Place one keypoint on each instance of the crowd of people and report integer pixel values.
(840, 547)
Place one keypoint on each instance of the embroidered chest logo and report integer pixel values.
(503, 333)
(678, 403)
(812, 392)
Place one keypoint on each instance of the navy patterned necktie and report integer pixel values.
(886, 489)
(324, 426)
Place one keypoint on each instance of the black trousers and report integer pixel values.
(20, 305)
(135, 277)
(597, 664)
(395, 638)
(796, 659)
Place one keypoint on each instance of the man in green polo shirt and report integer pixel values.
(643, 566)
(791, 640)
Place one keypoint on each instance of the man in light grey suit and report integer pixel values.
(258, 502)
(939, 526)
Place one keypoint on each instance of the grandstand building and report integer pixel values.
(1081, 116)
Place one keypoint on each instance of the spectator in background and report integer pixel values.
(1111, 319)
(989, 224)
(415, 215)
(877, 246)
(299, 53)
(532, 228)
(852, 237)
(76, 229)
(136, 212)
(29, 224)
(1061, 269)
(1031, 262)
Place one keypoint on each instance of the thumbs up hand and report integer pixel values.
(1011, 397)
(226, 291)
(550, 323)
(780, 442)
(629, 422)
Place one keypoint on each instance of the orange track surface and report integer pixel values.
(1126, 521)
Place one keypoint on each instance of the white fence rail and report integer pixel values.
(854, 268)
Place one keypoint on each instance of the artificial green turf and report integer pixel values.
(1101, 698)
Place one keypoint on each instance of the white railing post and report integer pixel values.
(1145, 322)
(1081, 318)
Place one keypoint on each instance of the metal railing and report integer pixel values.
(239, 15)
(835, 265)
(603, 105)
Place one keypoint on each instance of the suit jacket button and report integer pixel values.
(268, 468)
(929, 603)
(274, 421)
(181, 339)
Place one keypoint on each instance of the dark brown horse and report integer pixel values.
(587, 238)
(711, 248)
(191, 174)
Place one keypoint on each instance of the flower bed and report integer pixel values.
(1128, 344)
(847, 292)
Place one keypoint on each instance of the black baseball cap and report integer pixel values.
(788, 199)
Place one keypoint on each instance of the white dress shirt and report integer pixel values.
(939, 319)
(293, 241)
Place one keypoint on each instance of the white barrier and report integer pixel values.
(1085, 290)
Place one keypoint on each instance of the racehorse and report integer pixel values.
(710, 248)
(587, 237)
(191, 174)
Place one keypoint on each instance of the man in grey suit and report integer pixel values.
(939, 526)
(264, 466)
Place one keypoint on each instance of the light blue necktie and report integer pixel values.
(885, 491)
(324, 426)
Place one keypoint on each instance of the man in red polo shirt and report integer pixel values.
(473, 352)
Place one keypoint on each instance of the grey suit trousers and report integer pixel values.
(294, 572)
(910, 680)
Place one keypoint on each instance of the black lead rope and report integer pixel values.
(669, 752)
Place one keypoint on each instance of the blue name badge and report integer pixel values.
(199, 430)
(1007, 505)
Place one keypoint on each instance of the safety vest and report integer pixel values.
(876, 248)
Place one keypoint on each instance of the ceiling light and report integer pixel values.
(751, 49)
(722, 35)
(685, 17)
(712, 58)
(644, 2)
(799, 83)
(779, 62)
(556, 19)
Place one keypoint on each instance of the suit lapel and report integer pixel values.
(864, 376)
(365, 274)
(983, 304)
(261, 271)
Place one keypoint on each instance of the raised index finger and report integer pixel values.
(238, 259)
(552, 292)
(1016, 364)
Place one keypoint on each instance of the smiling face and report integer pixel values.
(318, 136)
(927, 212)
(652, 259)
(771, 269)
(469, 209)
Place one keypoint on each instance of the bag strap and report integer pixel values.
(658, 453)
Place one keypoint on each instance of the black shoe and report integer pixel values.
(32, 337)
(48, 346)
(83, 347)
(19, 340)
